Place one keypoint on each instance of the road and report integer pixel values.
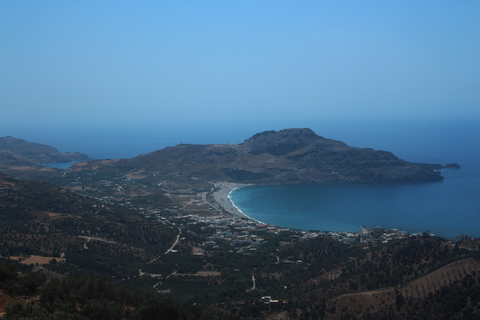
(96, 239)
(176, 241)
(204, 199)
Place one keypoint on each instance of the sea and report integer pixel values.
(447, 208)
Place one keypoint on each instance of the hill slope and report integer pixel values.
(15, 152)
(286, 156)
(48, 221)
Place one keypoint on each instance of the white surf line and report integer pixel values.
(229, 197)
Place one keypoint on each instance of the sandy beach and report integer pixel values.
(221, 197)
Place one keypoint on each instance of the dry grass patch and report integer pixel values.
(35, 259)
(136, 175)
(53, 214)
(21, 168)
(47, 169)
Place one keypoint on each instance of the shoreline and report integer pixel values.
(222, 197)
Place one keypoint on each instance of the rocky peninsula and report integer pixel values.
(274, 157)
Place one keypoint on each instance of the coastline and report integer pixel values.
(222, 198)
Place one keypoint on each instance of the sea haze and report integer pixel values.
(426, 141)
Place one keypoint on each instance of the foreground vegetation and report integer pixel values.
(80, 258)
(81, 297)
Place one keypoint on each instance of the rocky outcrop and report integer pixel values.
(280, 143)
(452, 166)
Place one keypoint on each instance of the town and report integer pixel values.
(214, 212)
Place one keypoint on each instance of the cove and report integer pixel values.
(446, 208)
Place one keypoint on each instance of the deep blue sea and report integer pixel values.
(445, 208)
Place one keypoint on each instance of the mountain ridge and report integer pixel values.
(277, 157)
(14, 151)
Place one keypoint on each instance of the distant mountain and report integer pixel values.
(286, 156)
(18, 152)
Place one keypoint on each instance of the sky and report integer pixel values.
(91, 66)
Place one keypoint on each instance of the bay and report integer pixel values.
(446, 208)
(61, 165)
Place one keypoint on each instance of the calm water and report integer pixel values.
(61, 165)
(445, 208)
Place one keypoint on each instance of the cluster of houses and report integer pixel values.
(377, 234)
(240, 236)
(236, 230)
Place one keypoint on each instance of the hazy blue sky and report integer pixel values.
(273, 63)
